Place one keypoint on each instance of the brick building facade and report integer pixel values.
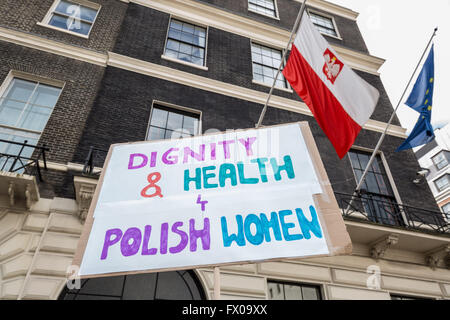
(111, 78)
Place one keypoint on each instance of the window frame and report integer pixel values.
(46, 21)
(385, 167)
(444, 153)
(288, 87)
(196, 24)
(446, 174)
(14, 74)
(318, 286)
(406, 297)
(277, 14)
(176, 108)
(446, 214)
(325, 15)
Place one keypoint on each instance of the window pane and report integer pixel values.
(276, 291)
(310, 293)
(175, 121)
(200, 32)
(354, 160)
(77, 11)
(59, 21)
(45, 96)
(323, 24)
(27, 115)
(189, 28)
(70, 24)
(173, 45)
(266, 62)
(292, 292)
(63, 7)
(176, 24)
(20, 90)
(34, 118)
(372, 185)
(159, 118)
(185, 48)
(257, 58)
(199, 53)
(442, 183)
(187, 37)
(185, 57)
(284, 291)
(446, 209)
(174, 34)
(262, 6)
(171, 53)
(156, 133)
(172, 124)
(188, 41)
(190, 124)
(440, 161)
(10, 111)
(88, 14)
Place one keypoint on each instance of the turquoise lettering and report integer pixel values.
(308, 226)
(238, 238)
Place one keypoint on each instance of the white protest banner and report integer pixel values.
(226, 198)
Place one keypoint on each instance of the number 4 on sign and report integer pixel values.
(202, 203)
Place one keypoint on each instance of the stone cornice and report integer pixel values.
(52, 46)
(170, 74)
(332, 8)
(257, 31)
(189, 79)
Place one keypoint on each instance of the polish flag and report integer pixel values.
(340, 100)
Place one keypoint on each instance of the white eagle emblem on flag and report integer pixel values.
(333, 66)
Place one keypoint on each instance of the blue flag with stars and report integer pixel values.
(421, 100)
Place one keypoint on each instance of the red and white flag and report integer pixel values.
(341, 101)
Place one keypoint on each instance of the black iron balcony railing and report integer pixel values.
(95, 158)
(25, 159)
(386, 211)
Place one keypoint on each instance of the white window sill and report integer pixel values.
(63, 30)
(269, 86)
(184, 62)
(263, 14)
(331, 36)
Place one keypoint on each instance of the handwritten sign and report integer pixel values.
(233, 197)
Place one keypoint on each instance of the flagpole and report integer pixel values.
(374, 154)
(296, 24)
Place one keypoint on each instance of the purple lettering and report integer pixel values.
(200, 156)
(153, 159)
(204, 234)
(184, 238)
(248, 145)
(109, 241)
(213, 151)
(128, 249)
(167, 159)
(145, 250)
(164, 236)
(131, 165)
(226, 149)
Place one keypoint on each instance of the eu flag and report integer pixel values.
(421, 100)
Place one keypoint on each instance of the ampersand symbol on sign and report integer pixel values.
(152, 178)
